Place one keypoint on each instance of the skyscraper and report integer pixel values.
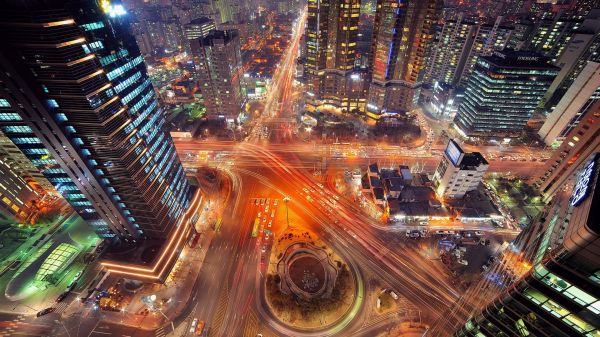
(218, 64)
(331, 42)
(579, 143)
(401, 38)
(548, 282)
(502, 93)
(581, 48)
(461, 42)
(551, 34)
(580, 97)
(197, 28)
(76, 100)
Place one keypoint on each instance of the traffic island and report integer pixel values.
(308, 286)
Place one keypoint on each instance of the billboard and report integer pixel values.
(586, 177)
(454, 152)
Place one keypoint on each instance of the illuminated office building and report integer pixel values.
(75, 98)
(402, 35)
(502, 93)
(331, 42)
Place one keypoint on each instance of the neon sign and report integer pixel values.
(582, 188)
(112, 10)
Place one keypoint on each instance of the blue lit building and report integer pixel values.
(75, 98)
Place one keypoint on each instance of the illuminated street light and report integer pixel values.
(287, 214)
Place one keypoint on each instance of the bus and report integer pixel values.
(256, 227)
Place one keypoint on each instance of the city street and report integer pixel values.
(228, 294)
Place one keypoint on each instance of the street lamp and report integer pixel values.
(286, 199)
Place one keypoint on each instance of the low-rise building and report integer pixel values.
(458, 172)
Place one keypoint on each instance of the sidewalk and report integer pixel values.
(176, 292)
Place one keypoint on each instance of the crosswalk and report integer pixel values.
(251, 325)
(219, 315)
(160, 332)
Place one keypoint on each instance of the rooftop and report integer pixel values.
(519, 59)
(472, 160)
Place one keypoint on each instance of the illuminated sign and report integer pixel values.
(582, 188)
(112, 10)
(453, 152)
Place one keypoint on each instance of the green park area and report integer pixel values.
(520, 198)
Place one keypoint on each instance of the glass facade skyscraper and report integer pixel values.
(402, 35)
(503, 92)
(557, 292)
(75, 98)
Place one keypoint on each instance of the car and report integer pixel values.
(200, 328)
(255, 202)
(62, 296)
(305, 190)
(407, 234)
(268, 202)
(267, 209)
(262, 201)
(275, 202)
(71, 286)
(273, 214)
(463, 262)
(270, 223)
(45, 312)
(264, 249)
(478, 233)
(393, 294)
(193, 326)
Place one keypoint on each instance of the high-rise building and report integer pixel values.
(449, 53)
(331, 43)
(581, 96)
(218, 63)
(76, 100)
(551, 34)
(229, 9)
(402, 35)
(18, 200)
(488, 38)
(583, 47)
(197, 28)
(547, 283)
(502, 93)
(458, 172)
(580, 143)
(461, 42)
(13, 156)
